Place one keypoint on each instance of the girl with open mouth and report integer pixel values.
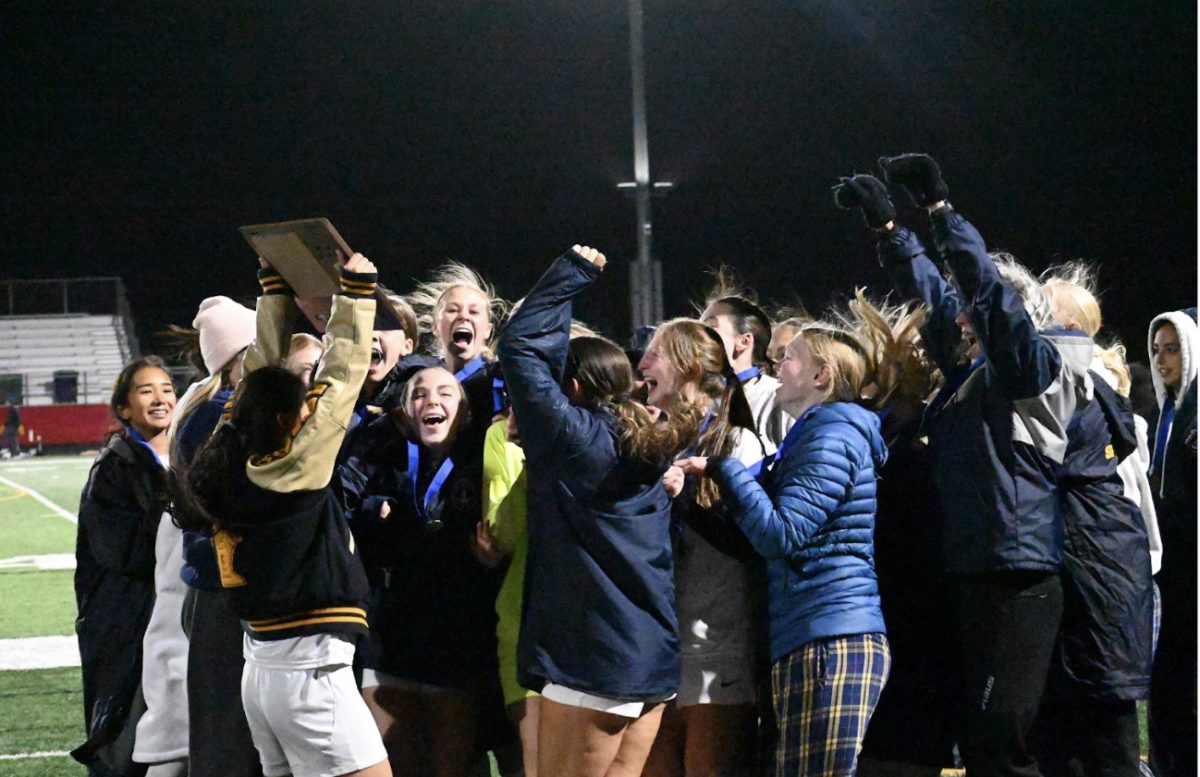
(710, 726)
(414, 500)
(598, 635)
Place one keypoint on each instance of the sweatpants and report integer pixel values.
(1008, 625)
(220, 743)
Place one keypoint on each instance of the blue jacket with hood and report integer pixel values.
(813, 519)
(998, 428)
(599, 610)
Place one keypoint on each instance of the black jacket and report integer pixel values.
(119, 514)
(433, 611)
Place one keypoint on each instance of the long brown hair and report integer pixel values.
(697, 352)
(605, 381)
(204, 493)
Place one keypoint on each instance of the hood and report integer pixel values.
(1077, 351)
(1189, 340)
(864, 421)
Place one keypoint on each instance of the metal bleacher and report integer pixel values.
(64, 340)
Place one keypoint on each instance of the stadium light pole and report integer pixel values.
(645, 274)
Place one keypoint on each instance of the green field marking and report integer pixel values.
(37, 604)
(41, 710)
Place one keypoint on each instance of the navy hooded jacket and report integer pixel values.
(599, 611)
(814, 521)
(998, 429)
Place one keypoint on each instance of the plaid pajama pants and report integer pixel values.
(825, 692)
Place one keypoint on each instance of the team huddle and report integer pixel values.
(448, 533)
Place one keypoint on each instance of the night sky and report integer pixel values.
(137, 138)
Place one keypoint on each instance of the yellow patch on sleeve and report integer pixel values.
(1109, 453)
(226, 544)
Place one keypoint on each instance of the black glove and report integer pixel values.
(869, 193)
(918, 175)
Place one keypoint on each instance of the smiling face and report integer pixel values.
(432, 405)
(803, 379)
(662, 382)
(1168, 356)
(150, 402)
(462, 324)
(387, 347)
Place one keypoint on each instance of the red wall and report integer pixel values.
(64, 424)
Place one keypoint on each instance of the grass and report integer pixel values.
(37, 604)
(41, 710)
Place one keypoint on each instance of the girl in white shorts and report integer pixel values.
(288, 563)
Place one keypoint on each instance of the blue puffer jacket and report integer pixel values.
(998, 429)
(599, 611)
(813, 520)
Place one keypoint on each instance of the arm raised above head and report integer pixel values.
(533, 354)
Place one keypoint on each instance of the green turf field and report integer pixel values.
(41, 710)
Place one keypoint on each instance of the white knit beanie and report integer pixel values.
(225, 329)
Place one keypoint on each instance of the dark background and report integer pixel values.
(136, 138)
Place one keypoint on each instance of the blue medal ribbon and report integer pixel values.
(497, 395)
(428, 508)
(750, 373)
(469, 369)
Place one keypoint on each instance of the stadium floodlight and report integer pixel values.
(645, 274)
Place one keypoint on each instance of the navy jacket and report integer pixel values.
(199, 557)
(998, 427)
(432, 613)
(1109, 601)
(813, 520)
(599, 612)
(119, 515)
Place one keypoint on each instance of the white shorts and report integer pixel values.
(309, 722)
(573, 698)
(725, 679)
(372, 678)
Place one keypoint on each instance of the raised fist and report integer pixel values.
(867, 193)
(918, 176)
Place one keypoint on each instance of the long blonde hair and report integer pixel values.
(1071, 290)
(428, 300)
(897, 365)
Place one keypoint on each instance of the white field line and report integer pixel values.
(40, 563)
(42, 754)
(38, 653)
(38, 497)
(42, 467)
